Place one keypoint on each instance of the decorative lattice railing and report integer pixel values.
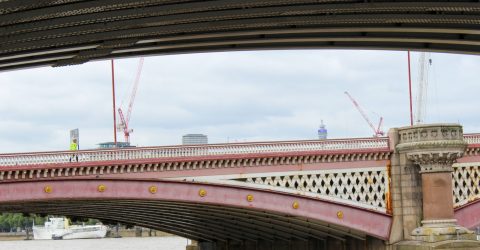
(364, 187)
(193, 151)
(466, 183)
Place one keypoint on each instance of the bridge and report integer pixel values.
(58, 33)
(362, 193)
(418, 188)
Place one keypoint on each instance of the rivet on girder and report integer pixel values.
(249, 198)
(47, 189)
(202, 192)
(152, 189)
(340, 214)
(101, 188)
(295, 205)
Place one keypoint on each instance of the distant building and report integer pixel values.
(322, 132)
(107, 145)
(193, 139)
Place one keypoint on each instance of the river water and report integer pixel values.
(150, 243)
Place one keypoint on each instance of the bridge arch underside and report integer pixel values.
(58, 33)
(178, 208)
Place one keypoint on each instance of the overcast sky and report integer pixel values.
(231, 97)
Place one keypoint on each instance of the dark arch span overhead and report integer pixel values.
(193, 221)
(57, 33)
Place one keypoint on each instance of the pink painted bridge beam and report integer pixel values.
(469, 215)
(331, 215)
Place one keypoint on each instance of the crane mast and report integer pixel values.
(376, 131)
(424, 62)
(135, 87)
(124, 120)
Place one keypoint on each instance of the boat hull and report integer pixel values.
(85, 233)
(42, 234)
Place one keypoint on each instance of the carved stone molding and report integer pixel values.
(434, 147)
(435, 161)
(430, 132)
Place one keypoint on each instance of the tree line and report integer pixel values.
(11, 222)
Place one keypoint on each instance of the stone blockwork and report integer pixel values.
(406, 193)
(443, 245)
(411, 197)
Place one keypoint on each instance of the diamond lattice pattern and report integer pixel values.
(466, 183)
(363, 187)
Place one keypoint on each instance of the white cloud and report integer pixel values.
(237, 96)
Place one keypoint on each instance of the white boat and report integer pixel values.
(59, 228)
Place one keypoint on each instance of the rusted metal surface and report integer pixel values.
(388, 196)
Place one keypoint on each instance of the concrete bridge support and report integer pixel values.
(422, 188)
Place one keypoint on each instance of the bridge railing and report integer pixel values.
(472, 139)
(39, 158)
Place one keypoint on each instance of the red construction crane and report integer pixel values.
(376, 131)
(124, 120)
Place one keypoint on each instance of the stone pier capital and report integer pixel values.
(434, 147)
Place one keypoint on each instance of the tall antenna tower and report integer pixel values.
(322, 131)
(424, 63)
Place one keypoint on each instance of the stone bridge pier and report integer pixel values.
(422, 194)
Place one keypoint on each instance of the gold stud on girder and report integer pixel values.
(295, 205)
(249, 198)
(101, 188)
(47, 189)
(152, 189)
(340, 215)
(202, 192)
